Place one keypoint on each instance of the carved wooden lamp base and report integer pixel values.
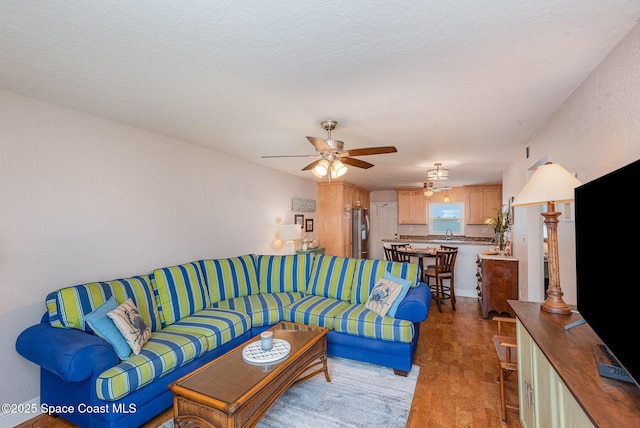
(554, 302)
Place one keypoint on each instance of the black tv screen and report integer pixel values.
(608, 262)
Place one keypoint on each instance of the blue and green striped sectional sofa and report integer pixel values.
(199, 310)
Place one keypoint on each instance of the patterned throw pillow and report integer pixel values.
(133, 328)
(382, 296)
(405, 283)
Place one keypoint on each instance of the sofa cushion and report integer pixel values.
(315, 310)
(218, 326)
(230, 278)
(180, 290)
(283, 273)
(68, 306)
(264, 308)
(331, 276)
(163, 353)
(368, 272)
(360, 321)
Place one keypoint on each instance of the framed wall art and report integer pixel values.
(304, 205)
(298, 219)
(308, 225)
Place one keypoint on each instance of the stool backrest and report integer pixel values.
(446, 260)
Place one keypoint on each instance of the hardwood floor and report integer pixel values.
(457, 385)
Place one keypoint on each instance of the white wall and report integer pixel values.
(596, 131)
(86, 199)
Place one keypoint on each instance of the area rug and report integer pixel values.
(359, 395)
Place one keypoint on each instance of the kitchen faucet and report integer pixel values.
(448, 234)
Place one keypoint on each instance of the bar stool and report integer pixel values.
(441, 271)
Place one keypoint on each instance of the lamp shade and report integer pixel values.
(320, 170)
(338, 169)
(289, 232)
(549, 183)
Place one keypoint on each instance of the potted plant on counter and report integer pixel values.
(501, 223)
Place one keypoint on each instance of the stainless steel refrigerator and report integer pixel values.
(360, 233)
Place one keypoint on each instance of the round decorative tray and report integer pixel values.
(253, 353)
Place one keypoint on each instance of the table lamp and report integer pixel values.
(550, 184)
(289, 233)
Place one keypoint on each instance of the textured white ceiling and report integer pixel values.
(464, 83)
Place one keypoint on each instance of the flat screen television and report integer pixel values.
(608, 281)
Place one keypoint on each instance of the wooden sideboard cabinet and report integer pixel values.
(497, 282)
(558, 380)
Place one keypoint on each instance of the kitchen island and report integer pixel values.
(466, 267)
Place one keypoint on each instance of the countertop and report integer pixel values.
(439, 239)
(486, 255)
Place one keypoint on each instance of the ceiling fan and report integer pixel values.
(330, 154)
(429, 187)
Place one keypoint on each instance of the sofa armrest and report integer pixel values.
(415, 305)
(71, 354)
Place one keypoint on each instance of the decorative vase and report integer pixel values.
(500, 241)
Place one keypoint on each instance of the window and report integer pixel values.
(446, 215)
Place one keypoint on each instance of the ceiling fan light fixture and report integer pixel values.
(338, 169)
(438, 173)
(320, 170)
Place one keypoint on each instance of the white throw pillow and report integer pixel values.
(127, 319)
(382, 296)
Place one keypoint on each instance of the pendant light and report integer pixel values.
(438, 173)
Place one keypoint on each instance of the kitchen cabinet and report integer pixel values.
(482, 202)
(497, 282)
(335, 201)
(412, 207)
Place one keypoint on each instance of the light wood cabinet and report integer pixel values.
(412, 207)
(482, 202)
(544, 399)
(335, 201)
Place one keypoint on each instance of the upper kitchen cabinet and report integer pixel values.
(335, 201)
(412, 207)
(482, 202)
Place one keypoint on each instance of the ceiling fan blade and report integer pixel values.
(288, 156)
(371, 151)
(357, 163)
(319, 144)
(311, 165)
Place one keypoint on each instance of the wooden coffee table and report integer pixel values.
(229, 392)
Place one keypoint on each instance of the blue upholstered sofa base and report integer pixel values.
(396, 355)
